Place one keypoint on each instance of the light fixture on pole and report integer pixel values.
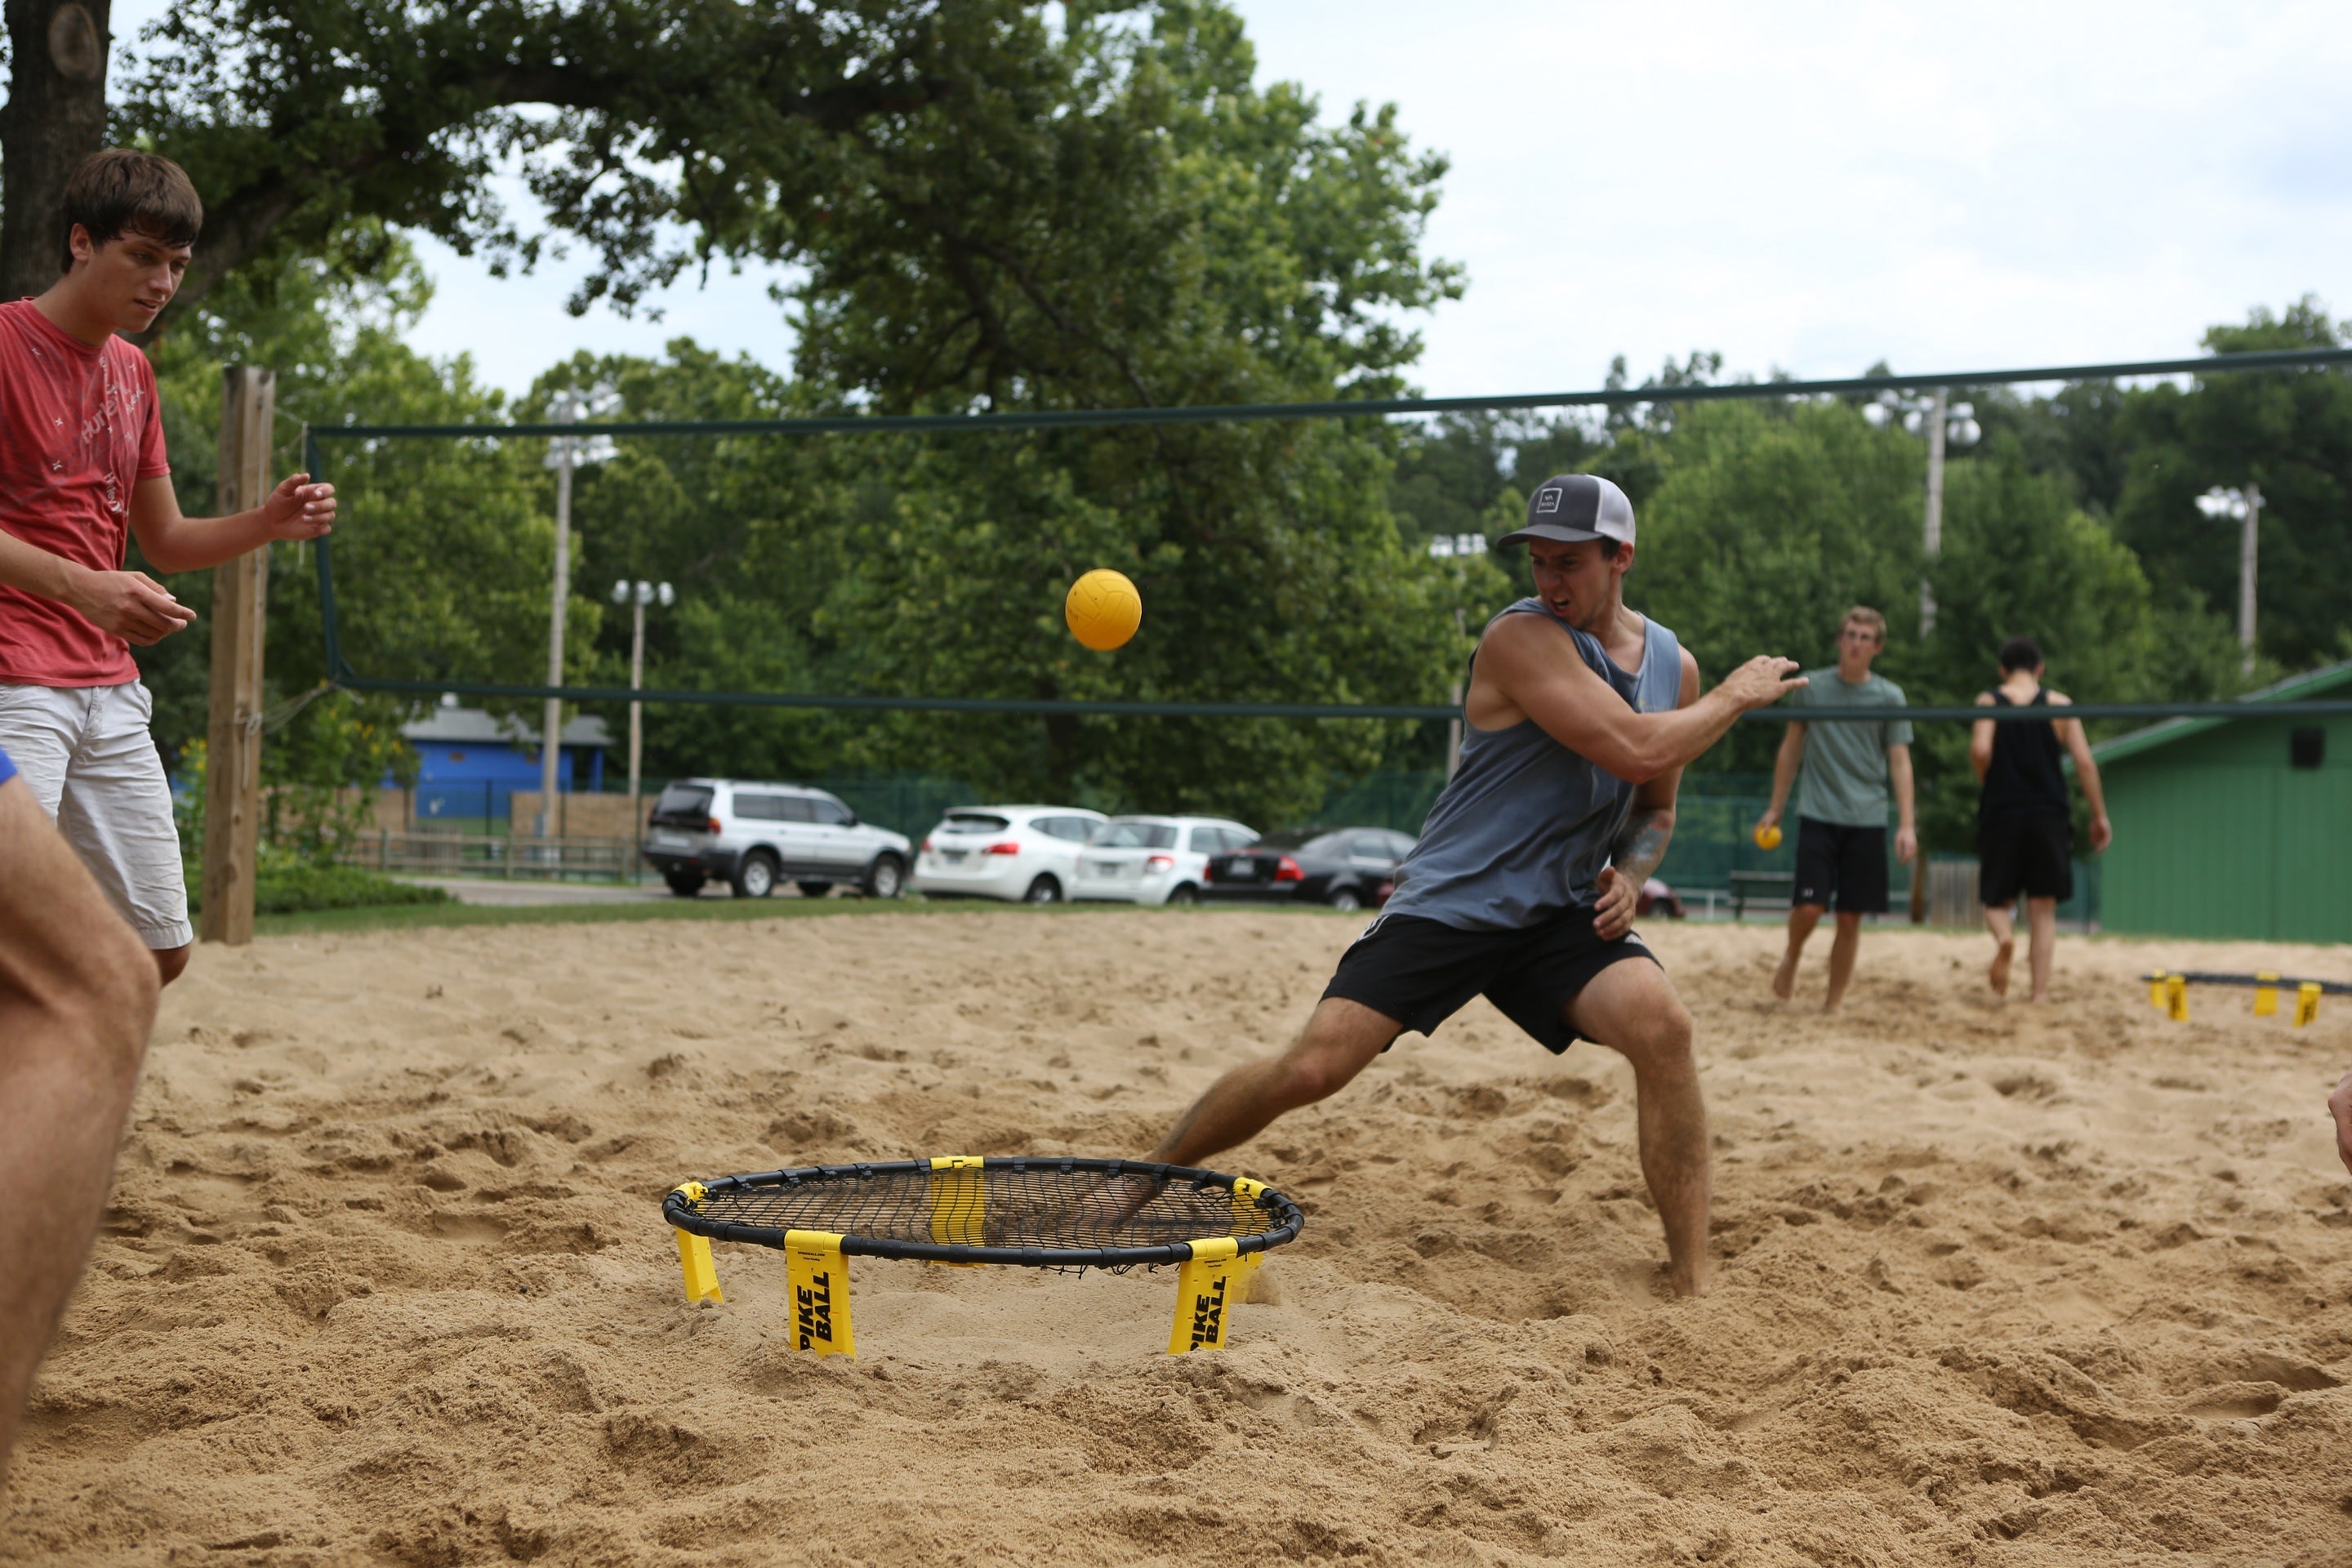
(639, 594)
(565, 453)
(1942, 423)
(2245, 508)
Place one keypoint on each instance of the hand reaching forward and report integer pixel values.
(298, 509)
(1761, 681)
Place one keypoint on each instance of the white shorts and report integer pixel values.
(87, 754)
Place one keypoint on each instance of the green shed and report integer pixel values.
(2233, 828)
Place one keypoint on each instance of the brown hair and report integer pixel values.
(1864, 616)
(120, 191)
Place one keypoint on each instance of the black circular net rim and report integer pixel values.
(1052, 1212)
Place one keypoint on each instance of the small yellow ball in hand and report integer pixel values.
(1768, 837)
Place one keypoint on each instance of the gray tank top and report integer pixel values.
(1524, 826)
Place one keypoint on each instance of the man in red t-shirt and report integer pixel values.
(81, 470)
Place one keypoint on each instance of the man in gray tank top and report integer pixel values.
(1577, 722)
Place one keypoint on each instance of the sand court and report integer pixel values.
(384, 1278)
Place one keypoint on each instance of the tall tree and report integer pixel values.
(2288, 431)
(56, 117)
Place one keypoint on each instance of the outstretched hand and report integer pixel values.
(298, 509)
(1761, 681)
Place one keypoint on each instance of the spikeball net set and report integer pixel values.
(2169, 990)
(1060, 1213)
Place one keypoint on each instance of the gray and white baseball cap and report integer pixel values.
(1567, 508)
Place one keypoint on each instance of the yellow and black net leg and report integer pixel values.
(819, 1272)
(701, 1273)
(1207, 1289)
(959, 1203)
(694, 1258)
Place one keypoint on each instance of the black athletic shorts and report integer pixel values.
(2032, 853)
(1421, 971)
(1847, 862)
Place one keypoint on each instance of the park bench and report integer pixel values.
(1753, 887)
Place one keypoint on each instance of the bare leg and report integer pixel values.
(1632, 1008)
(1339, 1038)
(1842, 949)
(1802, 917)
(2041, 922)
(2004, 936)
(77, 1000)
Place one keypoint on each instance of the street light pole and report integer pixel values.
(1931, 536)
(2246, 506)
(2247, 547)
(1945, 424)
(560, 458)
(565, 453)
(638, 594)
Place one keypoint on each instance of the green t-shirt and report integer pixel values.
(1844, 779)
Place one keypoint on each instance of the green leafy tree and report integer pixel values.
(444, 549)
(2022, 559)
(2288, 431)
(1769, 521)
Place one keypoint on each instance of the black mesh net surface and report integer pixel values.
(1100, 1209)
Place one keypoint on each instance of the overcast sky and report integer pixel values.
(1806, 187)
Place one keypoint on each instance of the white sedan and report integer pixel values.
(1025, 854)
(1155, 859)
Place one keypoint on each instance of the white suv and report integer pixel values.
(752, 836)
(1028, 853)
(1155, 859)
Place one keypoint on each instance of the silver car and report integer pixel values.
(752, 836)
(1155, 859)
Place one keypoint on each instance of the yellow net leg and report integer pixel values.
(2306, 1002)
(819, 1272)
(1205, 1295)
(2176, 998)
(2265, 994)
(2156, 990)
(694, 1262)
(959, 1204)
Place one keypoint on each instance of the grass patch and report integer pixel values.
(296, 887)
(410, 917)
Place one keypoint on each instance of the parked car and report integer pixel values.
(1346, 868)
(1027, 854)
(752, 836)
(1155, 859)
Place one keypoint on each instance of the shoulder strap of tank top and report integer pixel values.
(1517, 607)
(2000, 697)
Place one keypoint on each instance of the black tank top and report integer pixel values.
(2024, 776)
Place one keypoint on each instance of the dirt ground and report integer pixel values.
(384, 1279)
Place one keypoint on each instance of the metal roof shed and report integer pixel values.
(2234, 827)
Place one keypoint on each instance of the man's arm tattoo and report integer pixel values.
(1641, 844)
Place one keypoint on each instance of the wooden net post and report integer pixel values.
(240, 598)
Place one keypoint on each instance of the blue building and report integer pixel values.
(470, 764)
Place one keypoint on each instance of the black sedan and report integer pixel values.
(1346, 868)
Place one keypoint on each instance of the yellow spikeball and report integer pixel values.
(1103, 609)
(1768, 837)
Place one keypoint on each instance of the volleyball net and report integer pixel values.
(785, 517)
